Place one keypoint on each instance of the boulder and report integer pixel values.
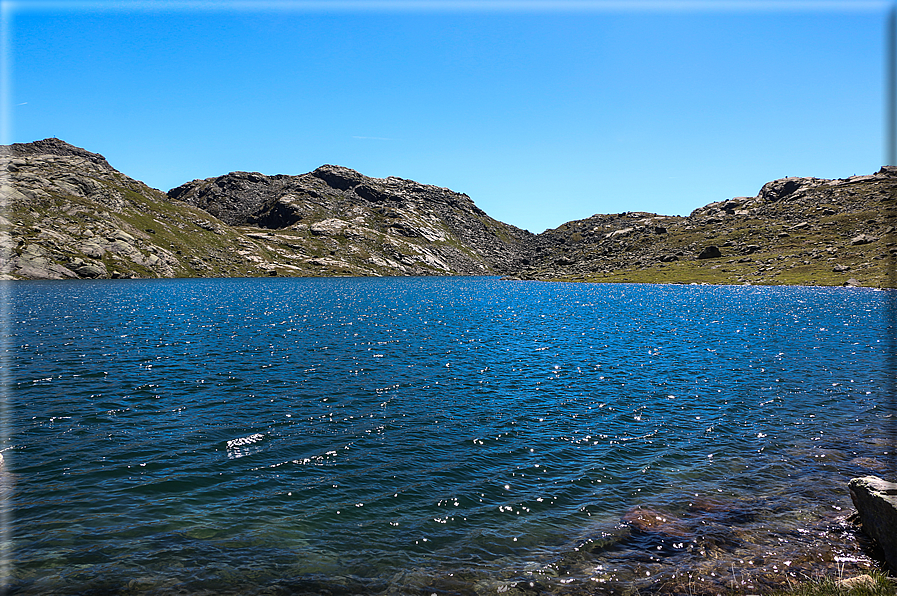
(862, 239)
(647, 520)
(710, 252)
(876, 502)
(92, 270)
(93, 250)
(860, 582)
(779, 189)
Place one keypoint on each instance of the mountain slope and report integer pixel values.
(353, 222)
(806, 231)
(69, 214)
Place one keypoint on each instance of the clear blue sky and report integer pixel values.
(541, 114)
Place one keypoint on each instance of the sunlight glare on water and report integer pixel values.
(461, 435)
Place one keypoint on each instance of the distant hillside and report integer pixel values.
(70, 215)
(805, 231)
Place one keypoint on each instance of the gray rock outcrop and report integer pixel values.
(876, 502)
(447, 230)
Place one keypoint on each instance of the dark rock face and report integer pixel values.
(232, 198)
(710, 252)
(876, 502)
(779, 189)
(338, 177)
(454, 229)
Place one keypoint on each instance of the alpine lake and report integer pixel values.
(456, 435)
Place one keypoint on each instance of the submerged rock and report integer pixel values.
(876, 502)
(647, 520)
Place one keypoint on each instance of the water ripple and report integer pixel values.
(438, 435)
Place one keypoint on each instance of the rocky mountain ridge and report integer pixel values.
(68, 214)
(806, 231)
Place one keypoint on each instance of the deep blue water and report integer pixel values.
(436, 435)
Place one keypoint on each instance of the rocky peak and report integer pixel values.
(783, 187)
(339, 177)
(54, 146)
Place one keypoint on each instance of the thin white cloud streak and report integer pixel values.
(436, 6)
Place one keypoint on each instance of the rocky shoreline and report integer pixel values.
(71, 215)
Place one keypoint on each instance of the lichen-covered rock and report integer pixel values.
(69, 214)
(862, 239)
(876, 502)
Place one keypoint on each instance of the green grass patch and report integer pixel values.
(877, 584)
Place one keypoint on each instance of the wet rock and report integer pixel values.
(876, 502)
(728, 512)
(853, 283)
(870, 463)
(647, 520)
